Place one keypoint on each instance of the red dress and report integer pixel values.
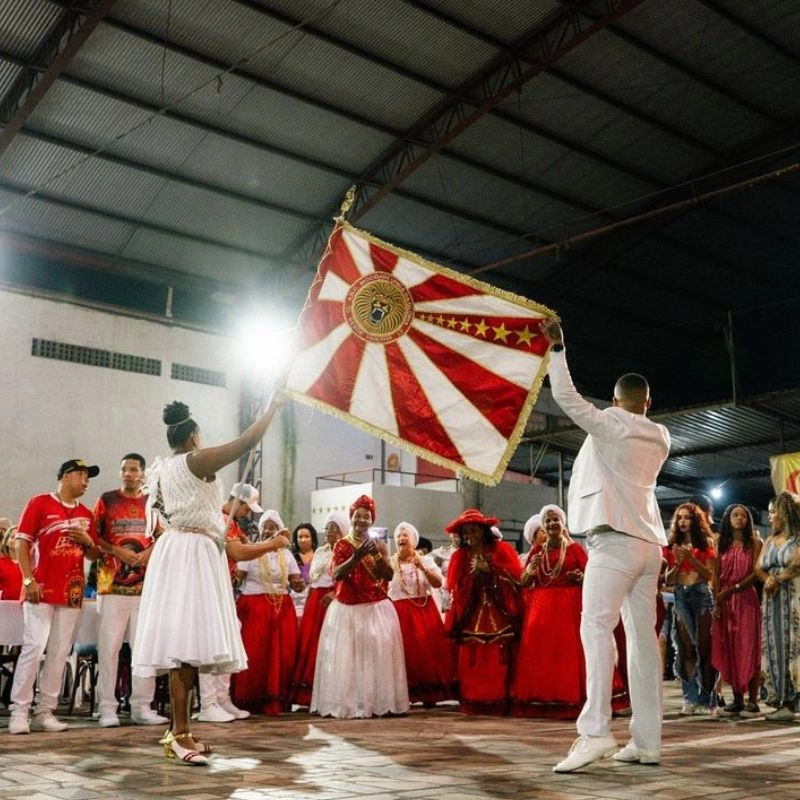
(736, 632)
(550, 672)
(485, 620)
(269, 635)
(430, 665)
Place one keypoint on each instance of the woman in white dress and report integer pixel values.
(187, 620)
(360, 670)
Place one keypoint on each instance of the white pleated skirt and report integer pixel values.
(187, 614)
(360, 669)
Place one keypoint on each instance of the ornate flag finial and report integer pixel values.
(348, 201)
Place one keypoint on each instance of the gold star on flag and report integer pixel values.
(524, 336)
(452, 322)
(440, 320)
(481, 328)
(465, 325)
(500, 333)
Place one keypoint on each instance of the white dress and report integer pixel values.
(187, 614)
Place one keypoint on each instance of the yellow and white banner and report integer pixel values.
(785, 471)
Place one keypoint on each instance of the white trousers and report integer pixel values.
(45, 626)
(214, 688)
(118, 613)
(621, 575)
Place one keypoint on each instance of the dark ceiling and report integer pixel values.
(631, 164)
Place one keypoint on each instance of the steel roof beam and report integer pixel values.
(477, 96)
(54, 54)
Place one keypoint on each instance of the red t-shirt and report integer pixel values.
(57, 560)
(120, 521)
(362, 585)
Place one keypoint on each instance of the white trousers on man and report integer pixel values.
(118, 613)
(45, 626)
(622, 576)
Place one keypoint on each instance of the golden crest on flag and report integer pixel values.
(379, 308)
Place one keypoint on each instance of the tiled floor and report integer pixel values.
(428, 754)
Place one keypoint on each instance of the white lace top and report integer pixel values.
(190, 502)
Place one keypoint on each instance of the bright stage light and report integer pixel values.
(716, 492)
(262, 345)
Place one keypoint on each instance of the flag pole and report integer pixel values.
(274, 403)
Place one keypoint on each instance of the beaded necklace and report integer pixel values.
(264, 573)
(544, 568)
(418, 593)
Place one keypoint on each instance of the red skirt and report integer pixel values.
(550, 672)
(428, 653)
(310, 626)
(269, 634)
(484, 675)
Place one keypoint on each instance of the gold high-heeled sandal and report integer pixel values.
(192, 758)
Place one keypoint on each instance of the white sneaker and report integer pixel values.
(631, 754)
(147, 716)
(585, 750)
(215, 713)
(18, 724)
(47, 722)
(238, 713)
(109, 720)
(687, 709)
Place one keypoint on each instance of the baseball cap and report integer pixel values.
(75, 464)
(248, 495)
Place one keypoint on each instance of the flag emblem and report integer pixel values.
(379, 308)
(441, 364)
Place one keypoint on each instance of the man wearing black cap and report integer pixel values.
(54, 535)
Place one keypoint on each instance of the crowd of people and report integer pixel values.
(220, 594)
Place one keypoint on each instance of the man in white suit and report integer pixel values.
(612, 499)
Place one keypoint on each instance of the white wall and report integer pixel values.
(51, 411)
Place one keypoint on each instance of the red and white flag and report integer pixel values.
(436, 362)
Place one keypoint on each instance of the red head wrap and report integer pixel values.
(363, 502)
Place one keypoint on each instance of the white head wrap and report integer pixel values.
(270, 514)
(558, 510)
(531, 526)
(496, 532)
(338, 518)
(412, 532)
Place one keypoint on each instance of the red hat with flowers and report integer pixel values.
(363, 502)
(471, 515)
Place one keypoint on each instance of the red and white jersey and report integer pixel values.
(120, 521)
(57, 560)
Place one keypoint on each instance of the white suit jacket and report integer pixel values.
(614, 475)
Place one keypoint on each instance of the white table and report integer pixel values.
(11, 623)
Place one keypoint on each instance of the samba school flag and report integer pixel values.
(436, 362)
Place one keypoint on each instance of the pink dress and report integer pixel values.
(736, 632)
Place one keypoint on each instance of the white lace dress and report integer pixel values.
(187, 614)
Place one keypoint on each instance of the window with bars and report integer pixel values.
(210, 377)
(95, 357)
